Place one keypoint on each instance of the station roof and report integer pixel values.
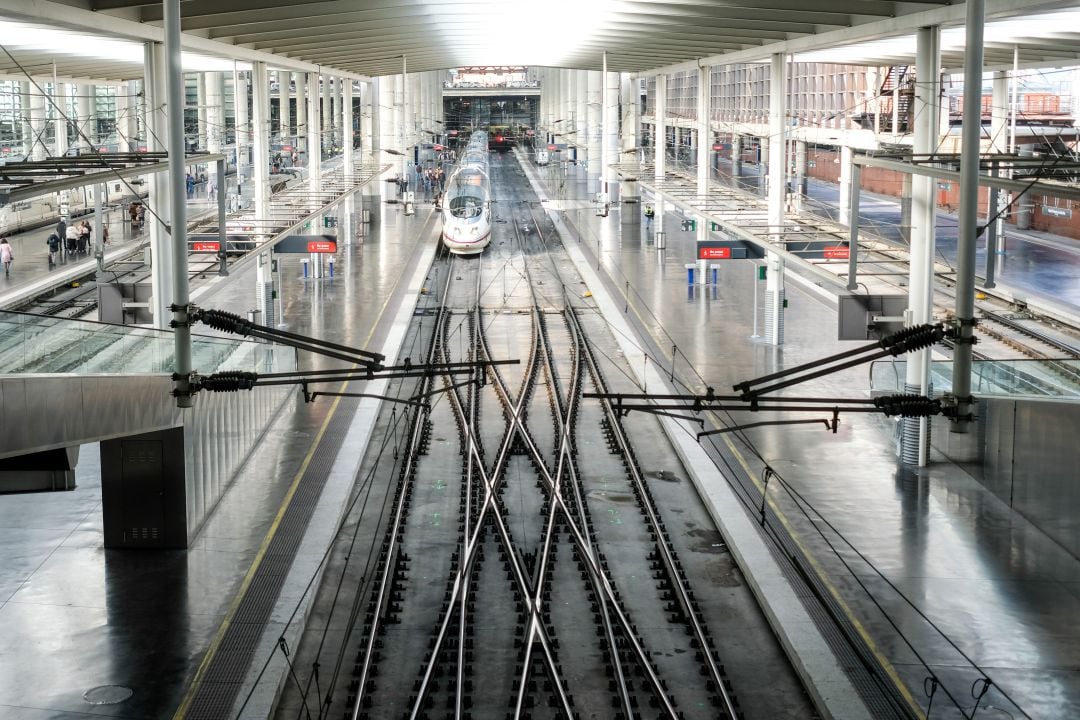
(361, 38)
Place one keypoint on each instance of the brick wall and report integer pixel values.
(1053, 215)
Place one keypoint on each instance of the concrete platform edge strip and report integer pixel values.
(826, 681)
(325, 520)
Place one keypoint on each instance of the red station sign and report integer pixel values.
(837, 252)
(321, 246)
(714, 253)
(207, 246)
(552, 148)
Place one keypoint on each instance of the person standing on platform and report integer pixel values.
(6, 256)
(190, 181)
(71, 239)
(61, 229)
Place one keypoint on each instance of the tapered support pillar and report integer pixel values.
(161, 275)
(971, 131)
(660, 154)
(284, 111)
(704, 145)
(915, 435)
(347, 133)
(200, 94)
(261, 128)
(595, 104)
(775, 297)
(314, 144)
(847, 156)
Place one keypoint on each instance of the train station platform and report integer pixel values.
(926, 568)
(89, 631)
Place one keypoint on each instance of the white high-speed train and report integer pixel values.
(466, 203)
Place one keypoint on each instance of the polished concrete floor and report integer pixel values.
(974, 588)
(80, 625)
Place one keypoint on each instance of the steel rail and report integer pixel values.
(492, 481)
(564, 466)
(396, 528)
(665, 551)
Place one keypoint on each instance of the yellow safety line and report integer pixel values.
(219, 636)
(887, 666)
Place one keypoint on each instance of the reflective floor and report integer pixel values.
(987, 594)
(76, 620)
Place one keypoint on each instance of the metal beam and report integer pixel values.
(1066, 191)
(52, 186)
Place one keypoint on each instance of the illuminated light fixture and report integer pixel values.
(502, 41)
(73, 44)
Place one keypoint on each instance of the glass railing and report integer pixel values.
(40, 344)
(1031, 378)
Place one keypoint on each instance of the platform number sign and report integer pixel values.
(330, 221)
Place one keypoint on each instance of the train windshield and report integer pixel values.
(466, 194)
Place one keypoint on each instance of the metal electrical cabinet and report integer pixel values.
(143, 491)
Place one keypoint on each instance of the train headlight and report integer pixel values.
(474, 231)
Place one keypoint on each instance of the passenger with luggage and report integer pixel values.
(84, 237)
(71, 239)
(54, 248)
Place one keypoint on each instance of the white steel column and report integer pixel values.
(161, 276)
(800, 172)
(774, 279)
(847, 156)
(85, 104)
(387, 127)
(60, 127)
(314, 145)
(215, 121)
(610, 145)
(631, 118)
(999, 143)
(325, 93)
(200, 99)
(399, 122)
(339, 112)
(261, 129)
(594, 103)
(581, 116)
(38, 151)
(301, 110)
(243, 129)
(347, 124)
(660, 154)
(125, 108)
(284, 112)
(971, 130)
(916, 431)
(704, 146)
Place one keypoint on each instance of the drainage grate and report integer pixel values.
(225, 674)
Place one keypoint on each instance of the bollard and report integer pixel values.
(661, 240)
(331, 267)
(690, 268)
(304, 262)
(715, 273)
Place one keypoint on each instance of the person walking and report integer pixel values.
(7, 256)
(54, 248)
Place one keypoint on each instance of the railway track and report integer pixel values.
(542, 611)
(524, 563)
